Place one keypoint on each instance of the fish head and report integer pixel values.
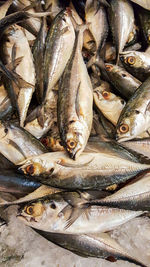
(75, 139)
(133, 59)
(130, 127)
(35, 167)
(41, 213)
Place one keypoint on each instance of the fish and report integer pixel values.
(134, 196)
(38, 56)
(43, 117)
(137, 63)
(74, 107)
(144, 17)
(95, 170)
(5, 103)
(124, 83)
(18, 184)
(134, 118)
(60, 38)
(94, 245)
(121, 17)
(141, 146)
(16, 37)
(54, 214)
(4, 8)
(96, 18)
(16, 143)
(109, 104)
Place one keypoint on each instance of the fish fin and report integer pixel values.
(13, 144)
(74, 199)
(62, 163)
(73, 213)
(13, 65)
(148, 107)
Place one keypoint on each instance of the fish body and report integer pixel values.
(141, 146)
(60, 39)
(135, 118)
(99, 246)
(75, 101)
(91, 170)
(135, 196)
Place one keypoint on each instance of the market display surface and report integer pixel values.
(75, 133)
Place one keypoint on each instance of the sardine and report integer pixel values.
(17, 144)
(137, 63)
(17, 38)
(125, 83)
(95, 16)
(54, 214)
(75, 101)
(121, 18)
(91, 170)
(99, 246)
(135, 117)
(60, 39)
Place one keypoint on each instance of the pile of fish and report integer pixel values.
(75, 119)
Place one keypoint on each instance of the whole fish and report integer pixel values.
(95, 16)
(75, 101)
(17, 144)
(91, 170)
(135, 117)
(60, 38)
(137, 63)
(135, 196)
(99, 246)
(121, 18)
(125, 83)
(108, 103)
(16, 38)
(54, 214)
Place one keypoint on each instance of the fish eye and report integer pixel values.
(108, 67)
(29, 210)
(122, 102)
(71, 144)
(53, 206)
(30, 169)
(124, 128)
(131, 60)
(106, 94)
(6, 130)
